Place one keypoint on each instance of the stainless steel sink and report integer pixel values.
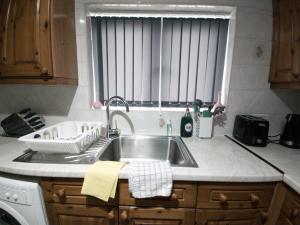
(144, 148)
(124, 148)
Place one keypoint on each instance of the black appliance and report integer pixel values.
(251, 130)
(290, 136)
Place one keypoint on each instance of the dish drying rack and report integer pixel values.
(66, 137)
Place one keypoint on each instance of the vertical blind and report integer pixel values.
(126, 55)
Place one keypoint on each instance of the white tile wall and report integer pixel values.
(249, 88)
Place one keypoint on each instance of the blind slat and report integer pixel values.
(155, 59)
(128, 42)
(184, 59)
(111, 58)
(202, 60)
(211, 61)
(166, 59)
(194, 49)
(175, 64)
(120, 56)
(137, 59)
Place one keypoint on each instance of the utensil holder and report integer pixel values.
(205, 127)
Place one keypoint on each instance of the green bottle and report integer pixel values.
(186, 127)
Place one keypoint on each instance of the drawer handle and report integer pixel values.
(174, 197)
(295, 213)
(44, 71)
(59, 195)
(264, 216)
(223, 198)
(254, 198)
(111, 215)
(295, 76)
(124, 216)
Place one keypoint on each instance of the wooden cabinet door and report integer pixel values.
(27, 51)
(296, 42)
(59, 214)
(283, 220)
(156, 216)
(230, 217)
(5, 6)
(283, 46)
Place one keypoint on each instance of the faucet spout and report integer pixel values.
(109, 129)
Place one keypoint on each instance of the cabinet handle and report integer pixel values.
(59, 195)
(264, 216)
(124, 216)
(223, 198)
(254, 198)
(44, 71)
(174, 197)
(111, 215)
(46, 24)
(295, 76)
(295, 213)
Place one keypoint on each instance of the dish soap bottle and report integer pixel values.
(186, 127)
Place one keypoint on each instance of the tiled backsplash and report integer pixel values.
(249, 90)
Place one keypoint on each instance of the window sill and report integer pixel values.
(143, 109)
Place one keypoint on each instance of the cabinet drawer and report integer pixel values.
(231, 217)
(183, 195)
(283, 220)
(291, 207)
(69, 192)
(59, 214)
(156, 216)
(234, 196)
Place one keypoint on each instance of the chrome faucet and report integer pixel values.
(109, 130)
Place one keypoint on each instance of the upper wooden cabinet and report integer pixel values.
(38, 42)
(285, 65)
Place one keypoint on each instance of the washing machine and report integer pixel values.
(21, 201)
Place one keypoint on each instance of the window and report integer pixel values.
(153, 61)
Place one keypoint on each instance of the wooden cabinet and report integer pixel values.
(231, 217)
(184, 194)
(290, 211)
(189, 203)
(68, 191)
(66, 206)
(234, 196)
(59, 214)
(37, 42)
(233, 203)
(155, 216)
(285, 65)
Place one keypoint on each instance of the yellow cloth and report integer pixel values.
(101, 179)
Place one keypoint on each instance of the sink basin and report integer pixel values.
(148, 148)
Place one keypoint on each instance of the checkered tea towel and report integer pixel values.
(150, 178)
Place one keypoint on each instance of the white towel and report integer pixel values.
(150, 178)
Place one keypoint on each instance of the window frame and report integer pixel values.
(167, 11)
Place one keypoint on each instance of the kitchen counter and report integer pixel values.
(285, 159)
(219, 159)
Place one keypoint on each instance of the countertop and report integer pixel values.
(219, 159)
(285, 159)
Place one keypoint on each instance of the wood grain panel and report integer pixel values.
(69, 192)
(78, 215)
(229, 217)
(234, 196)
(184, 194)
(156, 216)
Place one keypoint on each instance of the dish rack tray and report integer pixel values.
(66, 137)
